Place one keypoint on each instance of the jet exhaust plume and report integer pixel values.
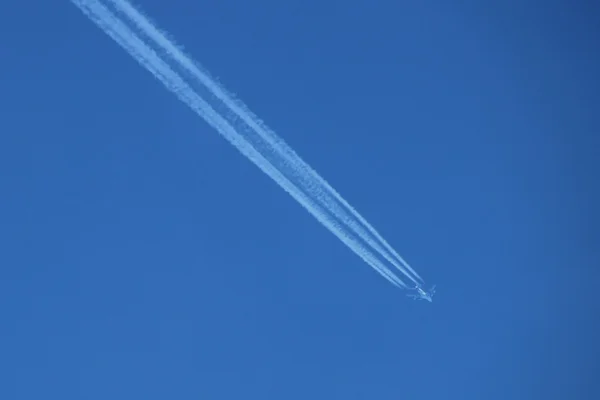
(308, 178)
(257, 142)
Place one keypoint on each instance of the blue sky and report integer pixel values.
(144, 257)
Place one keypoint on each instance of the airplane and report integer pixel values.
(422, 294)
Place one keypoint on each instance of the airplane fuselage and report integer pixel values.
(423, 295)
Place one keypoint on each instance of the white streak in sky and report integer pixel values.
(150, 60)
(311, 181)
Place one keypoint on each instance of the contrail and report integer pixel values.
(149, 59)
(311, 181)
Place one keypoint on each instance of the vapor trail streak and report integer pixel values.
(150, 60)
(310, 180)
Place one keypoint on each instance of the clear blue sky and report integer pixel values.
(143, 257)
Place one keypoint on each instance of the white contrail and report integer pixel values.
(311, 181)
(307, 176)
(149, 59)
